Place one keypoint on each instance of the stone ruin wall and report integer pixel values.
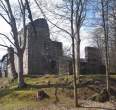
(40, 49)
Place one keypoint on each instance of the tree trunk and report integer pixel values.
(14, 73)
(74, 74)
(105, 27)
(21, 82)
(78, 55)
(107, 68)
(11, 60)
(73, 56)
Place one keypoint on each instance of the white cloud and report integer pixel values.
(85, 41)
(4, 27)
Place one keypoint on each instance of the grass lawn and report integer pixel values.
(13, 98)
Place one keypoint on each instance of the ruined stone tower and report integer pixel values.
(42, 54)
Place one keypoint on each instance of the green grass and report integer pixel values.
(13, 98)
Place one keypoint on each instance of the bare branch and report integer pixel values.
(30, 17)
(50, 20)
(4, 46)
(7, 39)
(4, 18)
(2, 5)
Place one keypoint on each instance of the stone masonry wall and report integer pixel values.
(42, 54)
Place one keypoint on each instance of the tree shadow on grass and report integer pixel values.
(8, 91)
(47, 86)
(5, 92)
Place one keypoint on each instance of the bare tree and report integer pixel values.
(71, 33)
(79, 19)
(105, 5)
(9, 17)
(73, 53)
(11, 55)
(112, 35)
(98, 41)
(73, 12)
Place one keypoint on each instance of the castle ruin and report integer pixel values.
(43, 56)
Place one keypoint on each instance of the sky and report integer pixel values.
(4, 28)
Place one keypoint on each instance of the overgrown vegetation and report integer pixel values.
(13, 98)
